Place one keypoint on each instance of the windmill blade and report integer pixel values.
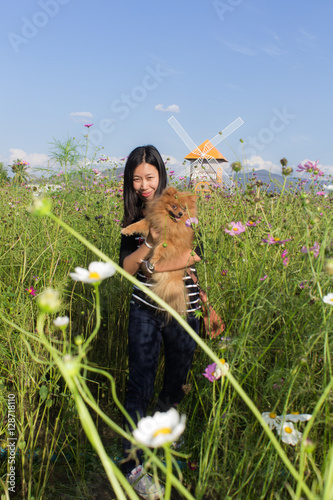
(204, 172)
(226, 180)
(187, 172)
(184, 135)
(224, 134)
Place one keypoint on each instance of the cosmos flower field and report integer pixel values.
(256, 420)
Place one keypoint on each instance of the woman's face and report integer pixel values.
(145, 181)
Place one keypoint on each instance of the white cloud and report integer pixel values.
(34, 159)
(173, 163)
(80, 116)
(240, 48)
(258, 163)
(172, 108)
(273, 50)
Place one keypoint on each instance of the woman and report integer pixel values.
(145, 178)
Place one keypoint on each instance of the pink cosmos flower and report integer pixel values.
(190, 221)
(31, 291)
(311, 168)
(250, 223)
(264, 277)
(235, 228)
(224, 272)
(273, 241)
(320, 193)
(315, 249)
(284, 253)
(88, 125)
(211, 374)
(285, 261)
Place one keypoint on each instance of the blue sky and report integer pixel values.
(128, 66)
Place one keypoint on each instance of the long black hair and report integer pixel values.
(132, 203)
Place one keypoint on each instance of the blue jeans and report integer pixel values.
(146, 331)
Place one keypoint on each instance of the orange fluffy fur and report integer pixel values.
(168, 214)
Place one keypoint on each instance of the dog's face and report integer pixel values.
(178, 206)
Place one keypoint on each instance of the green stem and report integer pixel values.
(98, 319)
(201, 344)
(169, 471)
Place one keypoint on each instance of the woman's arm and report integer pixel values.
(132, 262)
(183, 261)
(134, 257)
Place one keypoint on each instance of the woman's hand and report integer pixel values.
(153, 235)
(151, 239)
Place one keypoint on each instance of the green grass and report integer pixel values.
(278, 343)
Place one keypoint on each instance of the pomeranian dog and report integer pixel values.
(171, 215)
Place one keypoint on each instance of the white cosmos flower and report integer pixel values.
(97, 271)
(161, 428)
(328, 189)
(328, 299)
(61, 322)
(296, 417)
(288, 433)
(271, 419)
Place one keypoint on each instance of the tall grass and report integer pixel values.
(277, 341)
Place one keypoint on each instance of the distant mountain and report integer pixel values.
(268, 178)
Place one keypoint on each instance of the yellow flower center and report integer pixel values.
(288, 430)
(276, 239)
(163, 430)
(294, 413)
(272, 415)
(222, 361)
(94, 275)
(235, 228)
(331, 299)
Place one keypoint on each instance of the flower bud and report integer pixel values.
(71, 365)
(329, 267)
(287, 171)
(309, 446)
(48, 301)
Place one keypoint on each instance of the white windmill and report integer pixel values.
(206, 160)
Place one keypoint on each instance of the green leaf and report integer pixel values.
(43, 392)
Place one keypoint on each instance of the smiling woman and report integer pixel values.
(144, 181)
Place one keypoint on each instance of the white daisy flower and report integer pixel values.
(97, 271)
(61, 322)
(328, 299)
(160, 429)
(296, 417)
(288, 433)
(271, 419)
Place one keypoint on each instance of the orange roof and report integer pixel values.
(205, 147)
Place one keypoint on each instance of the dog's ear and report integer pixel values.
(170, 190)
(191, 199)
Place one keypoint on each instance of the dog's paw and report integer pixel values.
(125, 231)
